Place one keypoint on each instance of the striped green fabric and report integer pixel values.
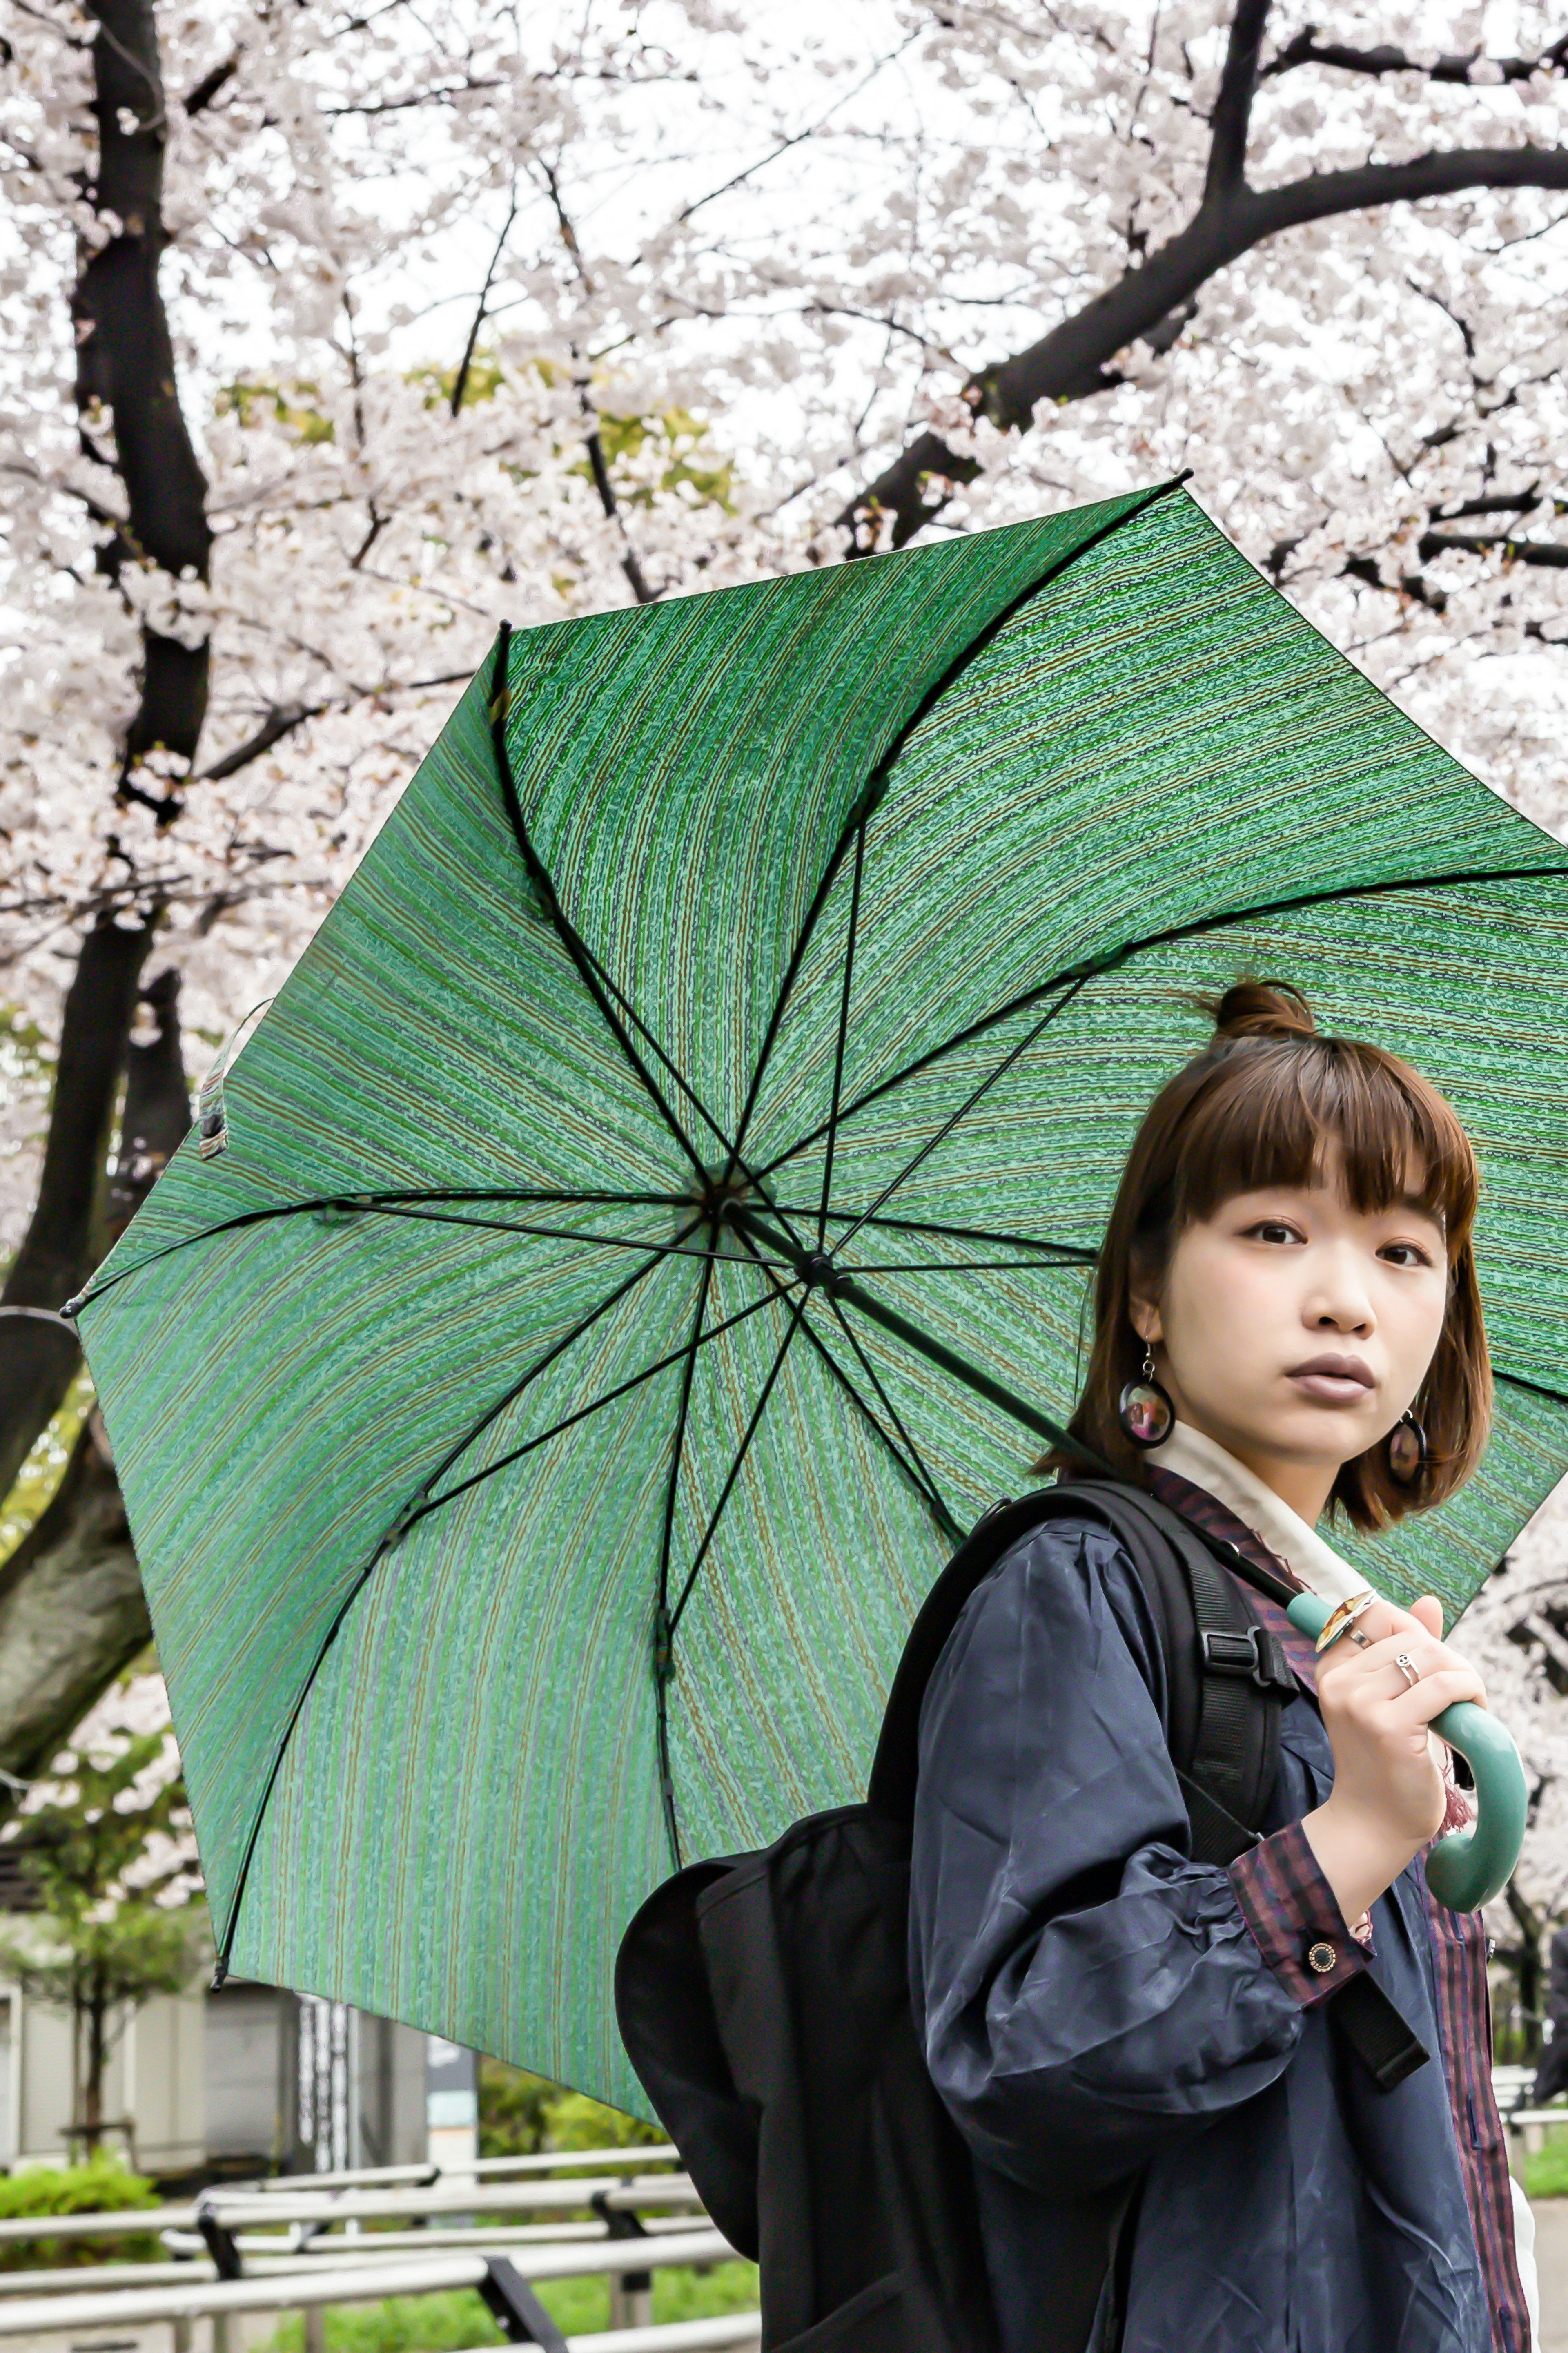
(514, 1517)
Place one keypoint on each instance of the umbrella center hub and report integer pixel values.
(817, 1271)
(721, 1191)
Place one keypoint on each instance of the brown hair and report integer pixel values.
(1254, 1109)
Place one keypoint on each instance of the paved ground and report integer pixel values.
(1551, 2255)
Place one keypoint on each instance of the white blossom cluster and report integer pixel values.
(133, 1708)
(760, 249)
(784, 241)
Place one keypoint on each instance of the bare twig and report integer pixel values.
(798, 137)
(461, 385)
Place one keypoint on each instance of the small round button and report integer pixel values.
(1321, 1957)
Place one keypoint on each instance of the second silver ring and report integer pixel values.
(1408, 1668)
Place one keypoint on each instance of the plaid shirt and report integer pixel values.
(1290, 1909)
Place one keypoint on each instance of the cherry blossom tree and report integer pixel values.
(105, 1846)
(338, 333)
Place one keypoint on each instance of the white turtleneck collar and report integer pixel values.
(1206, 1465)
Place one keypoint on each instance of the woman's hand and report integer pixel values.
(1388, 1796)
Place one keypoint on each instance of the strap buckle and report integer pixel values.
(1256, 1654)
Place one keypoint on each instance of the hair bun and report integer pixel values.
(1262, 1008)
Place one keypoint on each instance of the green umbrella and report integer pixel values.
(658, 1213)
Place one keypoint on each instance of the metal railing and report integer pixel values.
(294, 2201)
(299, 2243)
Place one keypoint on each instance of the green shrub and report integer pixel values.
(404, 2323)
(512, 2106)
(574, 2121)
(520, 2114)
(103, 2185)
(442, 2324)
(1546, 2173)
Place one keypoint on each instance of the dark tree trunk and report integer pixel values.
(65, 1238)
(125, 365)
(156, 1112)
(1525, 1958)
(71, 1610)
(96, 2021)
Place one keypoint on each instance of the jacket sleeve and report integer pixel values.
(1086, 1994)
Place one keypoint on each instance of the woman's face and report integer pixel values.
(1295, 1330)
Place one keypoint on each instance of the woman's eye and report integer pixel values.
(1411, 1253)
(1274, 1229)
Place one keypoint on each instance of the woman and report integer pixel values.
(1287, 1324)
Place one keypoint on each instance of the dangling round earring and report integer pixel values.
(1407, 1455)
(1143, 1409)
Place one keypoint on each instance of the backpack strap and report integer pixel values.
(1225, 1676)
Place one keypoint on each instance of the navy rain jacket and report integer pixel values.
(1091, 2003)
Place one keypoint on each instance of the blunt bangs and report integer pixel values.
(1273, 1109)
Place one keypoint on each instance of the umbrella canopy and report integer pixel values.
(658, 1211)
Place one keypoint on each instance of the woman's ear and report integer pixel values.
(1145, 1320)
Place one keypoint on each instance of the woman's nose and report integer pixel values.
(1344, 1307)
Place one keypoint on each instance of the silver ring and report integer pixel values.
(1408, 1669)
(1362, 1642)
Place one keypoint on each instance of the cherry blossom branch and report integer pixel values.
(598, 465)
(797, 138)
(1075, 360)
(284, 718)
(1548, 555)
(1306, 49)
(197, 99)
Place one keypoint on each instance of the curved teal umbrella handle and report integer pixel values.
(1469, 1867)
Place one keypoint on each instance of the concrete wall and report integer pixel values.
(244, 2066)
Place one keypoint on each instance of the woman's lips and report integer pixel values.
(1331, 1388)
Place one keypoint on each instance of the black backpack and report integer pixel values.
(763, 1998)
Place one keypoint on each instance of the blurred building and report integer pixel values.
(235, 2083)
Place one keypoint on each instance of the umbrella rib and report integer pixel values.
(583, 1413)
(876, 783)
(937, 1351)
(972, 1266)
(890, 1409)
(683, 1409)
(737, 1159)
(634, 1018)
(1005, 1064)
(1200, 927)
(1534, 1388)
(392, 1536)
(358, 1203)
(843, 1033)
(858, 817)
(1075, 1251)
(554, 1233)
(662, 1660)
(709, 1534)
(914, 1470)
(567, 931)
